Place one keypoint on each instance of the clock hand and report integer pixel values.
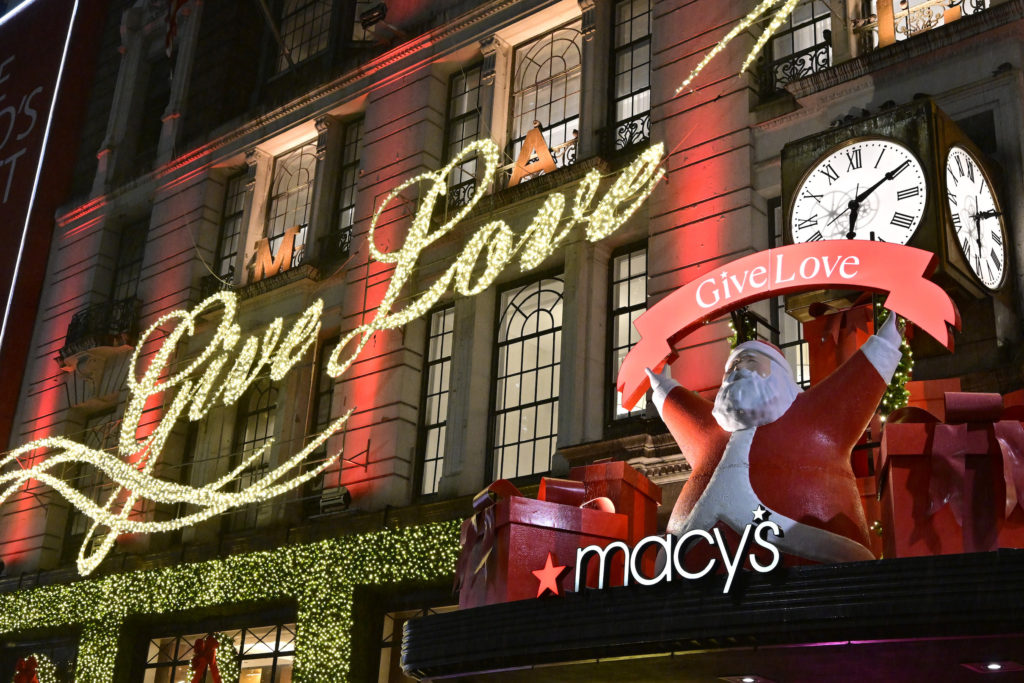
(854, 209)
(991, 213)
(888, 176)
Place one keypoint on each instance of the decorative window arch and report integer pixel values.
(291, 198)
(526, 388)
(546, 84)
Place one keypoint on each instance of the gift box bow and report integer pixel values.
(477, 538)
(25, 671)
(973, 422)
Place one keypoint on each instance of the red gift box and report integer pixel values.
(835, 335)
(510, 537)
(632, 493)
(955, 486)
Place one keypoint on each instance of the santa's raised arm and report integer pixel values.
(763, 442)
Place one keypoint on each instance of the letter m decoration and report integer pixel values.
(898, 270)
(267, 264)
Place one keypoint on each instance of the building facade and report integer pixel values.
(251, 150)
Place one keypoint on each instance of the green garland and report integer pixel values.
(896, 394)
(321, 577)
(226, 657)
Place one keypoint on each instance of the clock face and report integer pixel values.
(976, 217)
(865, 189)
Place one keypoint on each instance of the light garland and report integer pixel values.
(46, 672)
(319, 577)
(780, 17)
(226, 656)
(896, 394)
(198, 395)
(535, 244)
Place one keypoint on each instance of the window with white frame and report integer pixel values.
(631, 62)
(436, 390)
(802, 46)
(529, 350)
(907, 18)
(254, 428)
(305, 30)
(291, 199)
(463, 129)
(265, 654)
(230, 228)
(546, 84)
(629, 301)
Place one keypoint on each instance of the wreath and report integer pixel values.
(35, 668)
(216, 653)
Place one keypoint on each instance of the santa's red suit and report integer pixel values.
(797, 466)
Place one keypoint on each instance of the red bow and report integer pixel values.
(205, 658)
(25, 671)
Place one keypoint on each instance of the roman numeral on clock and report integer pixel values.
(815, 237)
(997, 237)
(994, 255)
(952, 198)
(804, 223)
(908, 193)
(957, 225)
(853, 157)
(902, 220)
(830, 173)
(810, 195)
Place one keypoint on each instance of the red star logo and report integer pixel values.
(548, 576)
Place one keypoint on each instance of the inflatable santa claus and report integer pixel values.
(766, 446)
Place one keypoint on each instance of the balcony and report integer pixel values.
(110, 324)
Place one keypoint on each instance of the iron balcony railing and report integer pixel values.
(111, 323)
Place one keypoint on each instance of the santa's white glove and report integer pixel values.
(883, 348)
(661, 385)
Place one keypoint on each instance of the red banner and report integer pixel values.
(831, 264)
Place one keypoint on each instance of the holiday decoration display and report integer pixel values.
(319, 577)
(35, 668)
(215, 653)
(954, 485)
(632, 494)
(510, 538)
(227, 366)
(763, 443)
(839, 264)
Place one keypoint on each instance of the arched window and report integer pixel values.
(291, 197)
(546, 91)
(526, 391)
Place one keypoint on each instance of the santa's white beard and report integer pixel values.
(747, 399)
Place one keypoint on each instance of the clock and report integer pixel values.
(975, 216)
(870, 188)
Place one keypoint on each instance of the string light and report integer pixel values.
(46, 672)
(896, 394)
(198, 396)
(226, 657)
(780, 17)
(535, 244)
(320, 578)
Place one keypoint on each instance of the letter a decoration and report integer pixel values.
(534, 145)
(900, 271)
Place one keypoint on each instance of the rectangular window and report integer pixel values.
(902, 19)
(100, 433)
(130, 251)
(463, 128)
(788, 334)
(360, 34)
(548, 72)
(266, 655)
(291, 199)
(323, 399)
(632, 77)
(629, 300)
(435, 396)
(230, 228)
(802, 46)
(526, 386)
(257, 412)
(349, 175)
(305, 30)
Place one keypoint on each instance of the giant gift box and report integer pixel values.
(632, 493)
(953, 486)
(510, 537)
(834, 335)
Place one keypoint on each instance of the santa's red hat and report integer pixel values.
(766, 348)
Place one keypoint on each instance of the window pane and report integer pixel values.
(435, 399)
(629, 297)
(632, 63)
(529, 338)
(291, 198)
(305, 29)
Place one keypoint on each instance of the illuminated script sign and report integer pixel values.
(229, 363)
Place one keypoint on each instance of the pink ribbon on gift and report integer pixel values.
(973, 420)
